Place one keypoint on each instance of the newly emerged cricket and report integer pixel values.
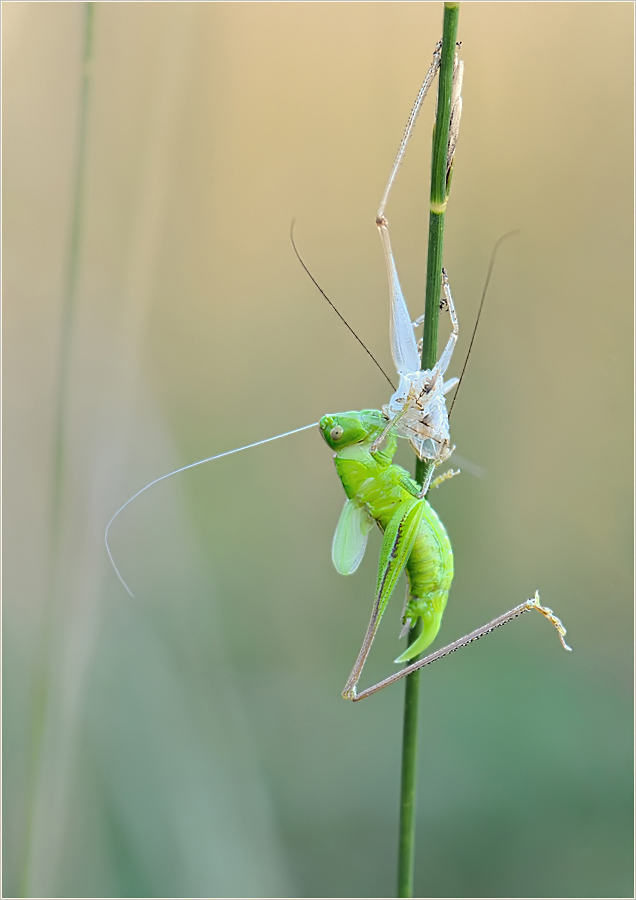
(381, 492)
(414, 537)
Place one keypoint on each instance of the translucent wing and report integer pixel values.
(350, 537)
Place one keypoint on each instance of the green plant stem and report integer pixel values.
(406, 846)
(439, 197)
(41, 686)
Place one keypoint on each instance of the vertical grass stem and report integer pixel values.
(439, 196)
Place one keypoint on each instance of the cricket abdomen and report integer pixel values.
(429, 568)
(430, 572)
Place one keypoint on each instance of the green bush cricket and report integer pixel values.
(378, 491)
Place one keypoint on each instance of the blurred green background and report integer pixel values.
(192, 741)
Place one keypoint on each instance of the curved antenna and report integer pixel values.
(183, 469)
(491, 265)
(339, 314)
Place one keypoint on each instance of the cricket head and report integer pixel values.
(345, 429)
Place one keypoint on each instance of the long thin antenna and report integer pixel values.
(338, 313)
(183, 469)
(481, 306)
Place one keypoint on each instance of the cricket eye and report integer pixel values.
(336, 432)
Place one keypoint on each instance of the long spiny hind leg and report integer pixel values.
(399, 537)
(533, 603)
(349, 690)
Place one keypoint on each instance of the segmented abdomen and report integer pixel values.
(430, 573)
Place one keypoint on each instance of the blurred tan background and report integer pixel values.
(192, 741)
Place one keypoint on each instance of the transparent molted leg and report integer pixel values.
(445, 358)
(445, 476)
(535, 603)
(417, 409)
(403, 343)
